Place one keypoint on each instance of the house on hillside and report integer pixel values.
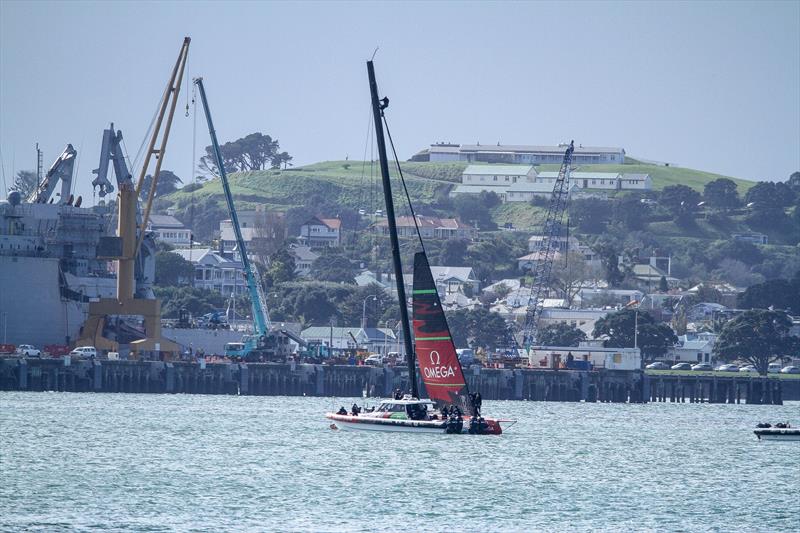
(429, 227)
(215, 272)
(257, 226)
(170, 230)
(304, 259)
(451, 280)
(318, 232)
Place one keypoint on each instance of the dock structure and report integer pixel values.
(295, 379)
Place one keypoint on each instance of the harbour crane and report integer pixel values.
(125, 247)
(545, 250)
(60, 170)
(265, 343)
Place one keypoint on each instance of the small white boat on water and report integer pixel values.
(777, 432)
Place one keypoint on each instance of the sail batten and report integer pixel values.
(439, 367)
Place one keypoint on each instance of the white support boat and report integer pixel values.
(778, 433)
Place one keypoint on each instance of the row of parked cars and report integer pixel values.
(774, 368)
(29, 350)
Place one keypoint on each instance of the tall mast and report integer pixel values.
(377, 112)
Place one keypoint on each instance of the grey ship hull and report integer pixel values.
(32, 310)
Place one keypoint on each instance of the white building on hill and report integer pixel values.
(520, 154)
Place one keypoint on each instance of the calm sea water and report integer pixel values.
(103, 462)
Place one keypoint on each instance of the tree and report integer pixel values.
(775, 294)
(472, 209)
(590, 214)
(766, 194)
(560, 334)
(736, 273)
(255, 151)
(662, 284)
(281, 267)
(609, 257)
(479, 328)
(172, 269)
(25, 183)
(269, 235)
(568, 279)
(653, 339)
(746, 252)
(757, 336)
(721, 194)
(630, 212)
(333, 265)
(681, 202)
(454, 252)
(167, 183)
(794, 182)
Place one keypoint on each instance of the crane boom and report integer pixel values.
(260, 317)
(546, 248)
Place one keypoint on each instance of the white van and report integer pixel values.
(89, 352)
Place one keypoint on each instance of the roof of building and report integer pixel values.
(226, 233)
(325, 332)
(510, 283)
(635, 176)
(303, 253)
(441, 273)
(499, 170)
(166, 221)
(426, 222)
(527, 148)
(582, 175)
(538, 256)
(332, 223)
(192, 254)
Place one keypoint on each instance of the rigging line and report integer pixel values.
(194, 169)
(403, 181)
(3, 171)
(146, 137)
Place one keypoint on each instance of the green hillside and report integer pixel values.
(349, 182)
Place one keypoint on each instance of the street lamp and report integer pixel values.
(364, 309)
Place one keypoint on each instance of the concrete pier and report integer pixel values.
(293, 379)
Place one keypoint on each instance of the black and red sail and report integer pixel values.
(438, 362)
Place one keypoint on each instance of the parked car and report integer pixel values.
(703, 367)
(730, 367)
(89, 352)
(774, 368)
(28, 350)
(790, 370)
(748, 368)
(375, 359)
(681, 366)
(658, 365)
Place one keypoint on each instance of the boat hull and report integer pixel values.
(778, 434)
(370, 423)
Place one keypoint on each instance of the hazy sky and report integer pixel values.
(713, 86)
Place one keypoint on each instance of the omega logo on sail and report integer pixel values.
(437, 370)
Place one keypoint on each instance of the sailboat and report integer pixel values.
(450, 407)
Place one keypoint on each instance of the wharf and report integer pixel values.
(268, 379)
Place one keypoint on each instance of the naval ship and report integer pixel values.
(51, 251)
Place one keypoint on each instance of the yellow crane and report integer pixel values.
(126, 245)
